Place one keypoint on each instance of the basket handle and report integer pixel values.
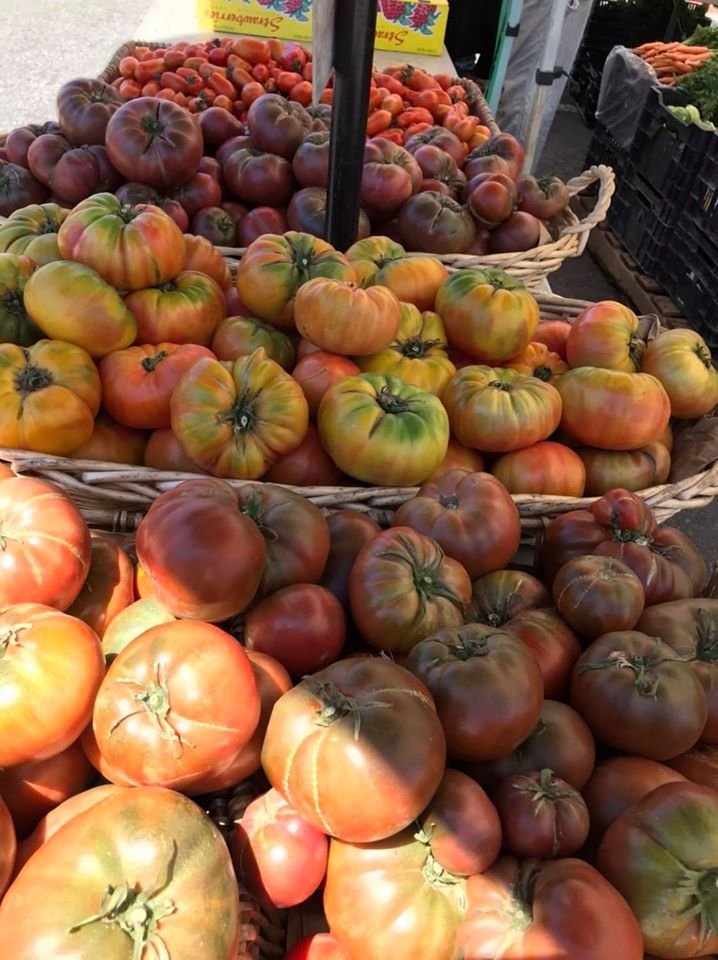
(607, 187)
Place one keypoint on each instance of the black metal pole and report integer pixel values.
(673, 22)
(354, 29)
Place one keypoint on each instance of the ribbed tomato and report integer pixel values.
(536, 360)
(110, 442)
(340, 317)
(554, 333)
(32, 232)
(597, 595)
(547, 468)
(15, 324)
(239, 336)
(629, 469)
(682, 362)
(349, 531)
(203, 257)
(606, 335)
(186, 309)
(414, 280)
(372, 254)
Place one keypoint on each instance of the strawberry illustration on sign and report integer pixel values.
(424, 17)
(297, 9)
(396, 11)
(420, 17)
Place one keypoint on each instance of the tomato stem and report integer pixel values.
(390, 402)
(646, 681)
(242, 414)
(31, 378)
(9, 636)
(149, 364)
(335, 706)
(155, 699)
(417, 348)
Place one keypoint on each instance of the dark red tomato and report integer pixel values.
(463, 826)
(543, 198)
(390, 177)
(491, 203)
(216, 225)
(357, 749)
(164, 452)
(109, 587)
(8, 847)
(200, 191)
(402, 588)
(470, 515)
(434, 223)
(31, 790)
(307, 213)
(690, 627)
(477, 162)
(295, 533)
(259, 221)
(638, 697)
(311, 161)
(213, 167)
(18, 188)
(278, 125)
(661, 855)
(167, 716)
(218, 126)
(541, 815)
(259, 179)
(154, 141)
(204, 556)
(229, 146)
(84, 108)
(520, 231)
(699, 765)
(486, 685)
(597, 595)
(237, 212)
(561, 741)
(507, 147)
(438, 137)
(499, 596)
(349, 531)
(317, 946)
(308, 465)
(554, 645)
(621, 525)
(302, 626)
(619, 782)
(518, 909)
(279, 857)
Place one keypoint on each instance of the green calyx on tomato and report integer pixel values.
(242, 415)
(254, 509)
(150, 364)
(498, 279)
(543, 373)
(432, 871)
(392, 402)
(11, 302)
(643, 665)
(137, 914)
(547, 790)
(707, 639)
(468, 647)
(154, 698)
(335, 705)
(416, 348)
(31, 378)
(10, 635)
(427, 581)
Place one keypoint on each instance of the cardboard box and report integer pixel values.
(402, 26)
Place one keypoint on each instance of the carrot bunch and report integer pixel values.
(671, 61)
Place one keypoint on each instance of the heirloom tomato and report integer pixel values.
(18, 188)
(380, 430)
(414, 904)
(435, 223)
(308, 465)
(49, 396)
(541, 815)
(274, 267)
(505, 146)
(69, 301)
(109, 587)
(154, 141)
(417, 355)
(612, 410)
(129, 623)
(203, 257)
(317, 371)
(130, 247)
(278, 125)
(30, 790)
(488, 315)
(32, 232)
(552, 642)
(84, 108)
(662, 855)
(620, 525)
(499, 596)
(402, 588)
(135, 866)
(235, 423)
(340, 317)
(629, 469)
(554, 334)
(164, 452)
(638, 697)
(50, 671)
(470, 516)
(239, 336)
(597, 595)
(112, 443)
(259, 179)
(187, 309)
(699, 765)
(606, 335)
(389, 177)
(311, 161)
(204, 557)
(486, 685)
(543, 198)
(519, 910)
(545, 468)
(349, 531)
(15, 324)
(682, 362)
(536, 360)
(414, 280)
(690, 627)
(45, 544)
(280, 857)
(498, 410)
(137, 383)
(176, 705)
(357, 749)
(372, 254)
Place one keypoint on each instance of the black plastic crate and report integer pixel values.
(689, 274)
(642, 219)
(585, 85)
(668, 152)
(603, 148)
(702, 206)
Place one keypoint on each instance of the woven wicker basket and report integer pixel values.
(115, 497)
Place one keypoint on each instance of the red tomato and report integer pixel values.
(109, 586)
(45, 544)
(554, 645)
(302, 626)
(317, 371)
(317, 946)
(164, 452)
(176, 705)
(554, 333)
(51, 666)
(699, 765)
(352, 766)
(280, 857)
(498, 597)
(349, 531)
(486, 685)
(8, 847)
(596, 595)
(204, 556)
(547, 468)
(308, 465)
(541, 815)
(537, 892)
(31, 790)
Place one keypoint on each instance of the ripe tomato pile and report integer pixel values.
(222, 136)
(434, 741)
